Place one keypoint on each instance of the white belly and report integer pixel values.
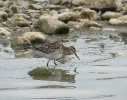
(51, 56)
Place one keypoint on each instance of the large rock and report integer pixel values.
(28, 38)
(34, 36)
(96, 4)
(67, 16)
(88, 14)
(102, 4)
(52, 26)
(108, 15)
(3, 16)
(119, 21)
(115, 21)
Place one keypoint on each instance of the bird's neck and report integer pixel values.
(66, 51)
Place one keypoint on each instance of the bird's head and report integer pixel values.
(72, 50)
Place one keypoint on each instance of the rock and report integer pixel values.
(34, 36)
(15, 9)
(92, 24)
(35, 23)
(118, 5)
(80, 8)
(102, 4)
(55, 2)
(35, 15)
(54, 7)
(7, 3)
(115, 37)
(73, 24)
(35, 6)
(95, 29)
(52, 26)
(20, 17)
(124, 9)
(123, 35)
(3, 16)
(82, 20)
(119, 21)
(1, 3)
(114, 21)
(22, 30)
(28, 38)
(115, 54)
(79, 2)
(123, 18)
(88, 14)
(4, 32)
(66, 3)
(20, 41)
(52, 14)
(22, 23)
(108, 15)
(96, 4)
(67, 16)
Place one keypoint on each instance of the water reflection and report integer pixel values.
(51, 74)
(55, 86)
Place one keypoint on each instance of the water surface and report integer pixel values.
(101, 72)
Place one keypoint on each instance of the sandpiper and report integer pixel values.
(54, 51)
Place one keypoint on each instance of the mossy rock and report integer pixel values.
(28, 38)
(20, 41)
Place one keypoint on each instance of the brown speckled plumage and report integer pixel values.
(54, 51)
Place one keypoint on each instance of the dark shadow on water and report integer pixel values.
(111, 78)
(51, 74)
(55, 86)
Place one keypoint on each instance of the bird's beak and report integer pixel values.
(77, 56)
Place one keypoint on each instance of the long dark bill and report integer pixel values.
(77, 56)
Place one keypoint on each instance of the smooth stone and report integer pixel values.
(119, 21)
(67, 16)
(52, 26)
(88, 14)
(23, 23)
(34, 36)
(108, 15)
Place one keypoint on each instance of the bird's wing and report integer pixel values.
(48, 47)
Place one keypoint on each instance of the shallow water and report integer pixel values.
(101, 72)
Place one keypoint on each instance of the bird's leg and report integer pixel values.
(48, 63)
(55, 62)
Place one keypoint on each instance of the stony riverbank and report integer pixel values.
(27, 22)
